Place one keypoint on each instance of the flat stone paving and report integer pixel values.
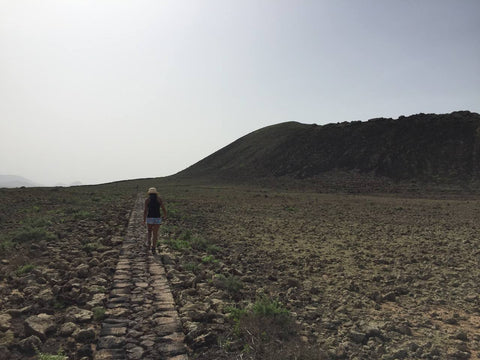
(141, 322)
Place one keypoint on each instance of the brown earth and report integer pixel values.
(58, 251)
(367, 277)
(377, 277)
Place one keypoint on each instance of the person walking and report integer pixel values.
(151, 216)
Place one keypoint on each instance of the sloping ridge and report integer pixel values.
(426, 147)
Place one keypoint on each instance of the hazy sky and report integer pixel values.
(104, 90)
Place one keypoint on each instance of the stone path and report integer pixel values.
(142, 322)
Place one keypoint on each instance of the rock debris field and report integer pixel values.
(364, 277)
(101, 297)
(347, 276)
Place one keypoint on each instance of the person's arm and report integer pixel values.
(145, 211)
(164, 210)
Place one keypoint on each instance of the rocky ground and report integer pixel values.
(58, 251)
(359, 277)
(364, 277)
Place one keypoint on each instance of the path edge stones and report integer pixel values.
(141, 319)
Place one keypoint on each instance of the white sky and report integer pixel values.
(104, 90)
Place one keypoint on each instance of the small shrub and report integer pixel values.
(32, 234)
(5, 244)
(209, 259)
(235, 314)
(269, 308)
(98, 313)
(173, 212)
(186, 235)
(89, 247)
(191, 267)
(98, 289)
(169, 229)
(60, 356)
(36, 222)
(268, 332)
(199, 243)
(212, 249)
(178, 244)
(25, 269)
(230, 283)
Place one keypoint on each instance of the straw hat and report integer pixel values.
(152, 190)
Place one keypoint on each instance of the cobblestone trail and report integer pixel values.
(141, 322)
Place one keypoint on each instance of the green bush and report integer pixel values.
(235, 313)
(60, 356)
(230, 283)
(36, 222)
(264, 310)
(92, 246)
(5, 244)
(267, 307)
(25, 269)
(186, 235)
(32, 234)
(199, 243)
(191, 267)
(207, 259)
(212, 249)
(173, 212)
(178, 244)
(268, 332)
(98, 313)
(95, 289)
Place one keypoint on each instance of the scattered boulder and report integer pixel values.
(82, 271)
(5, 322)
(85, 351)
(16, 296)
(94, 262)
(6, 338)
(39, 325)
(400, 354)
(461, 335)
(18, 312)
(454, 354)
(203, 340)
(85, 335)
(30, 344)
(77, 315)
(45, 296)
(67, 329)
(168, 259)
(136, 353)
(358, 337)
(196, 312)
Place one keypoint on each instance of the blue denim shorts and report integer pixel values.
(154, 221)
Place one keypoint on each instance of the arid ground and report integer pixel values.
(367, 277)
(256, 273)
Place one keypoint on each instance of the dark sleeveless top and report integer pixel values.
(153, 207)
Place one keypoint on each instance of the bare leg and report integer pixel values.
(149, 235)
(155, 236)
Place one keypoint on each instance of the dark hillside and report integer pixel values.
(424, 147)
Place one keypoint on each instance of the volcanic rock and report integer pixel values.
(39, 325)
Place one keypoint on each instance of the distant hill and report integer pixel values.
(423, 147)
(13, 181)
